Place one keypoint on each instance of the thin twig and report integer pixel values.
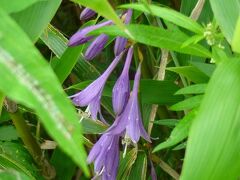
(160, 76)
(197, 10)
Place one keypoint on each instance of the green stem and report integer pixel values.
(26, 136)
(29, 141)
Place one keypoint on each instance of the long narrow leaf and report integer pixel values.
(27, 78)
(214, 139)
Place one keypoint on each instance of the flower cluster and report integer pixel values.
(128, 122)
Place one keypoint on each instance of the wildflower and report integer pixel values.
(96, 47)
(87, 14)
(130, 120)
(105, 154)
(121, 89)
(91, 95)
(81, 37)
(120, 42)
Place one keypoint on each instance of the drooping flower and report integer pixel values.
(96, 47)
(81, 37)
(121, 89)
(120, 42)
(105, 155)
(130, 120)
(87, 14)
(91, 95)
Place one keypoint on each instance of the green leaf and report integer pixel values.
(16, 5)
(236, 37)
(179, 133)
(214, 139)
(36, 17)
(226, 13)
(126, 164)
(13, 175)
(167, 122)
(191, 72)
(207, 69)
(54, 40)
(206, 15)
(139, 168)
(193, 89)
(8, 133)
(104, 9)
(2, 97)
(187, 104)
(27, 78)
(93, 127)
(157, 37)
(15, 156)
(65, 167)
(169, 15)
(67, 61)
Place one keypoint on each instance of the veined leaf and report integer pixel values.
(16, 5)
(27, 78)
(179, 133)
(54, 40)
(214, 139)
(157, 37)
(226, 13)
(169, 15)
(35, 18)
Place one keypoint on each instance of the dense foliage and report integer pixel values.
(120, 89)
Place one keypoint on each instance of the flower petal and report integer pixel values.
(87, 14)
(96, 47)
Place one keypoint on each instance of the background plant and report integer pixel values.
(189, 88)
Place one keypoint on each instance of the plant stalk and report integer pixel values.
(28, 140)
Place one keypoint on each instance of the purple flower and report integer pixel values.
(105, 154)
(96, 47)
(91, 95)
(80, 37)
(121, 42)
(121, 89)
(130, 120)
(87, 14)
